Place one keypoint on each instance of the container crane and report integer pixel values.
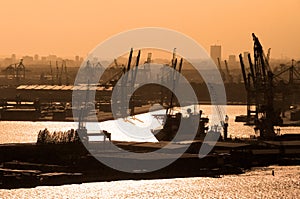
(20, 71)
(57, 72)
(66, 73)
(173, 81)
(268, 55)
(229, 76)
(60, 74)
(259, 85)
(133, 80)
(221, 70)
(52, 77)
(220, 113)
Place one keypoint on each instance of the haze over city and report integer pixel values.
(117, 99)
(69, 28)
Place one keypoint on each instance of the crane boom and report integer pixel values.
(220, 68)
(51, 71)
(244, 72)
(268, 55)
(173, 80)
(133, 79)
(229, 77)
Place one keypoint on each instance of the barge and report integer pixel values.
(32, 164)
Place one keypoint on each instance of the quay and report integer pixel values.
(31, 164)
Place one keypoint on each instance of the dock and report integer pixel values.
(30, 165)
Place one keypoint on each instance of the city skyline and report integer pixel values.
(71, 28)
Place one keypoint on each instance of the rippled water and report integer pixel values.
(258, 183)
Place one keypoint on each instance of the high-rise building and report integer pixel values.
(215, 53)
(232, 60)
(36, 57)
(52, 58)
(13, 58)
(77, 58)
(44, 59)
(27, 59)
(245, 58)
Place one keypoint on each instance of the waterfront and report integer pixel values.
(256, 183)
(26, 132)
(51, 48)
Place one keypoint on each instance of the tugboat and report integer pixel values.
(177, 127)
(187, 128)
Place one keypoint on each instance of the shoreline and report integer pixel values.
(31, 165)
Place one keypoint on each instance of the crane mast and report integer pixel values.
(229, 77)
(260, 91)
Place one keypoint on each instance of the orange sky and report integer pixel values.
(72, 27)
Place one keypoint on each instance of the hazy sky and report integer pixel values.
(72, 27)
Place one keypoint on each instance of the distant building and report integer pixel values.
(36, 57)
(232, 60)
(52, 58)
(245, 58)
(7, 61)
(27, 59)
(13, 58)
(44, 59)
(215, 53)
(77, 58)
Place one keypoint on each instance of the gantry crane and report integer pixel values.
(221, 70)
(127, 83)
(228, 75)
(15, 71)
(259, 85)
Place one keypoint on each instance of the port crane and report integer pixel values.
(127, 82)
(222, 121)
(52, 77)
(15, 71)
(228, 75)
(175, 79)
(66, 73)
(221, 70)
(268, 55)
(259, 84)
(133, 80)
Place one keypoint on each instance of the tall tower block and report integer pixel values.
(215, 53)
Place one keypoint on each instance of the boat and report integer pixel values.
(19, 110)
(189, 123)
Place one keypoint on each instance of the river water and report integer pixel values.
(257, 183)
(26, 132)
